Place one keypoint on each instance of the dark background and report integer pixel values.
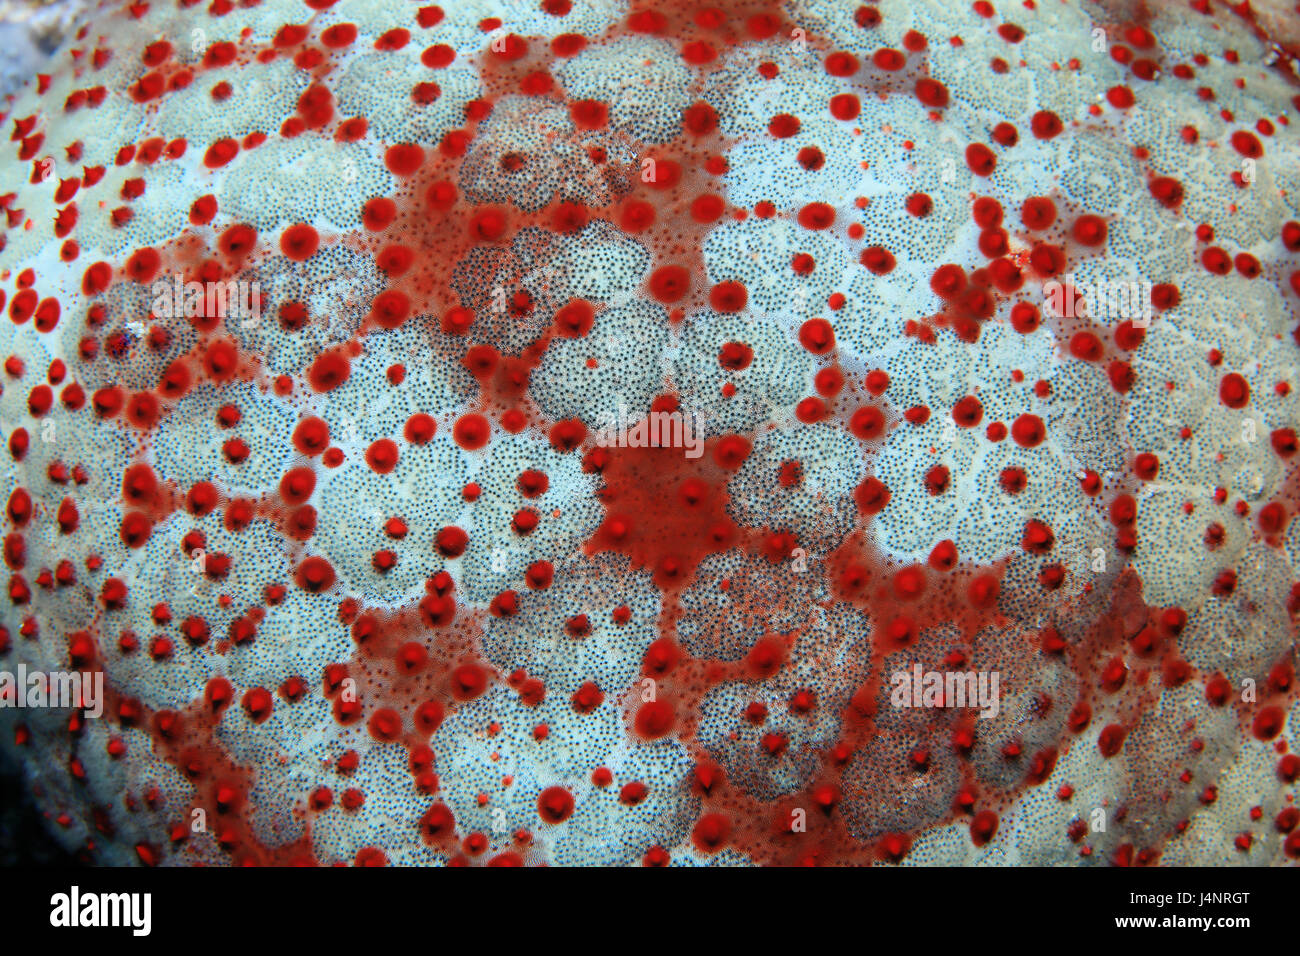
(24, 839)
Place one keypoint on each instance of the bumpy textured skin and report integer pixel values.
(202, 510)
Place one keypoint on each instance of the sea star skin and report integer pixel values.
(377, 565)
